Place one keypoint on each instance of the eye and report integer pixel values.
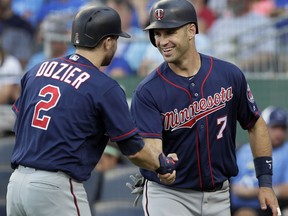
(156, 33)
(171, 31)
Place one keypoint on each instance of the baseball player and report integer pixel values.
(67, 111)
(190, 105)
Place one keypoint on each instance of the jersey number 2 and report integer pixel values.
(45, 105)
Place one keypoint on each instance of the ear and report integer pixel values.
(191, 30)
(108, 43)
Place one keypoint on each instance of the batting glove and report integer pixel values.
(136, 187)
(167, 164)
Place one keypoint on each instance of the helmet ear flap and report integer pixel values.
(152, 38)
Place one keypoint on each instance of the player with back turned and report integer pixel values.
(190, 105)
(67, 111)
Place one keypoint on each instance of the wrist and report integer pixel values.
(263, 169)
(265, 181)
(167, 164)
(263, 166)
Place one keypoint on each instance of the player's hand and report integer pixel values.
(266, 198)
(169, 178)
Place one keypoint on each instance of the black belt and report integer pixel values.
(216, 187)
(17, 166)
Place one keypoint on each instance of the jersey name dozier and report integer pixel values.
(65, 72)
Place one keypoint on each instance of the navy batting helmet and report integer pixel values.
(171, 14)
(93, 23)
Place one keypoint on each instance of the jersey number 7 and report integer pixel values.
(45, 105)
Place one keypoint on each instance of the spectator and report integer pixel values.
(245, 185)
(63, 6)
(16, 33)
(206, 16)
(281, 15)
(28, 11)
(55, 32)
(219, 7)
(264, 7)
(130, 53)
(245, 38)
(142, 10)
(10, 74)
(281, 3)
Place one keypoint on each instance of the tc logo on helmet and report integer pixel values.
(159, 14)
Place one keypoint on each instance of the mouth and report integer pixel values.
(167, 51)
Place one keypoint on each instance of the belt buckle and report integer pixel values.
(216, 188)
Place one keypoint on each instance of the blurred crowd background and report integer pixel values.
(253, 34)
(250, 33)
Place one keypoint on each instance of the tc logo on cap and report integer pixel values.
(159, 14)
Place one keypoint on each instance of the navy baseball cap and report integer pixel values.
(275, 116)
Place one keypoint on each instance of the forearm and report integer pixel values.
(142, 152)
(143, 158)
(260, 140)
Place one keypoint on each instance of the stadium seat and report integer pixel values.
(114, 184)
(115, 197)
(93, 186)
(6, 148)
(3, 207)
(5, 173)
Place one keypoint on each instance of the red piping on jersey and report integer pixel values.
(253, 120)
(175, 85)
(15, 108)
(146, 196)
(207, 123)
(198, 156)
(197, 138)
(72, 62)
(124, 135)
(150, 135)
(74, 197)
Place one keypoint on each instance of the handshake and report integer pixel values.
(166, 174)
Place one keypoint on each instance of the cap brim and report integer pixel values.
(125, 35)
(164, 25)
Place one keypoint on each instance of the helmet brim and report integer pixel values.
(125, 35)
(164, 25)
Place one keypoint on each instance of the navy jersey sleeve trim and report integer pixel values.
(15, 109)
(123, 136)
(150, 135)
(252, 123)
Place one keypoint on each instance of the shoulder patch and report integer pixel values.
(249, 94)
